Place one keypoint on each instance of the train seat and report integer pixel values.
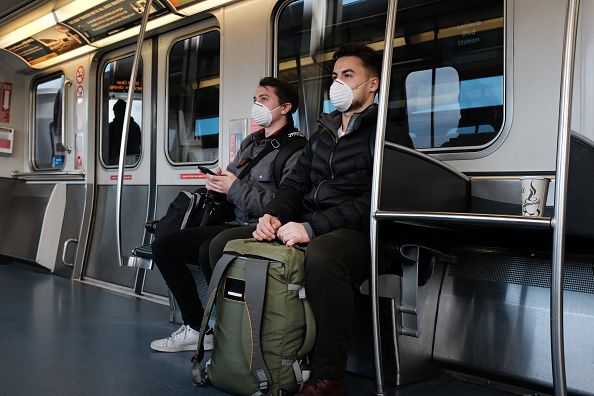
(144, 254)
(413, 181)
(144, 251)
(580, 189)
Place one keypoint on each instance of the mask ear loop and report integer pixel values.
(284, 104)
(276, 108)
(362, 85)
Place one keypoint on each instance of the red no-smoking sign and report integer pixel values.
(80, 94)
(80, 74)
(5, 97)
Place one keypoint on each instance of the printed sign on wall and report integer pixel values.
(5, 98)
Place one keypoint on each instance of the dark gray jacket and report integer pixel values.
(251, 194)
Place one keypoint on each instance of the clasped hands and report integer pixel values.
(269, 227)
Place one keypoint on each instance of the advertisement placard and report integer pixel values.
(111, 17)
(47, 44)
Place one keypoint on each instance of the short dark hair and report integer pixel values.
(285, 92)
(372, 60)
(119, 107)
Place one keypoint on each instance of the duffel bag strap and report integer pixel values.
(256, 271)
(197, 374)
(310, 330)
(310, 322)
(296, 364)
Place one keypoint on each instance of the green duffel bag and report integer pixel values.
(264, 324)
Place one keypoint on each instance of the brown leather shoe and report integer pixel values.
(324, 387)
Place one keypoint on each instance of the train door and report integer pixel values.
(113, 80)
(47, 202)
(189, 124)
(175, 126)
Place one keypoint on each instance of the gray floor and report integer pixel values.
(59, 337)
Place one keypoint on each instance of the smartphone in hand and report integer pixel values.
(205, 170)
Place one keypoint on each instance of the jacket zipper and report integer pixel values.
(335, 140)
(315, 197)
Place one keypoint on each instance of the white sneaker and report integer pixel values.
(184, 339)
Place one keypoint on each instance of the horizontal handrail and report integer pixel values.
(468, 219)
(48, 175)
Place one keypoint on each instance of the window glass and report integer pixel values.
(193, 99)
(116, 81)
(446, 85)
(48, 152)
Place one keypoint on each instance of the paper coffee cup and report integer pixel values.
(534, 195)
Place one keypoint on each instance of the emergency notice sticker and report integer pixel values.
(6, 138)
(189, 176)
(5, 98)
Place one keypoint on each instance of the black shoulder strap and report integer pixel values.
(287, 140)
(269, 147)
(294, 144)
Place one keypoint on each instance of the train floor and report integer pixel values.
(59, 337)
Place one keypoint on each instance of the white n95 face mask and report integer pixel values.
(261, 115)
(341, 95)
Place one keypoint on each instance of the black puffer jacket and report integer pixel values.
(330, 187)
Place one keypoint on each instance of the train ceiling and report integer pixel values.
(7, 7)
(42, 33)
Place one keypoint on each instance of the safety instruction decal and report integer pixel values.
(80, 94)
(188, 176)
(80, 74)
(5, 98)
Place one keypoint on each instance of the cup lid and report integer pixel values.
(534, 177)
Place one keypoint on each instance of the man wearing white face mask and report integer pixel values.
(325, 203)
(268, 154)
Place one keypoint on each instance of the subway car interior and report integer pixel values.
(467, 293)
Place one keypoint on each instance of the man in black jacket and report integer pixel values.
(325, 203)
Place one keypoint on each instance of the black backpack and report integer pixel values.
(197, 209)
(207, 208)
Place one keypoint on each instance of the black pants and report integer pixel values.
(332, 262)
(171, 253)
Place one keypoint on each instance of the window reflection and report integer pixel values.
(193, 99)
(432, 105)
(48, 152)
(116, 81)
(446, 83)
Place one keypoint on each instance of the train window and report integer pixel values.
(114, 94)
(193, 99)
(48, 152)
(447, 82)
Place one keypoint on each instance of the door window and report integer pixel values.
(48, 151)
(114, 94)
(193, 99)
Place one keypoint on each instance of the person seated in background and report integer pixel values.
(115, 134)
(274, 103)
(325, 203)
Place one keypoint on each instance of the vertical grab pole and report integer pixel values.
(126, 126)
(67, 82)
(557, 347)
(379, 152)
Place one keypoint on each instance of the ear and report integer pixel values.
(374, 84)
(286, 108)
